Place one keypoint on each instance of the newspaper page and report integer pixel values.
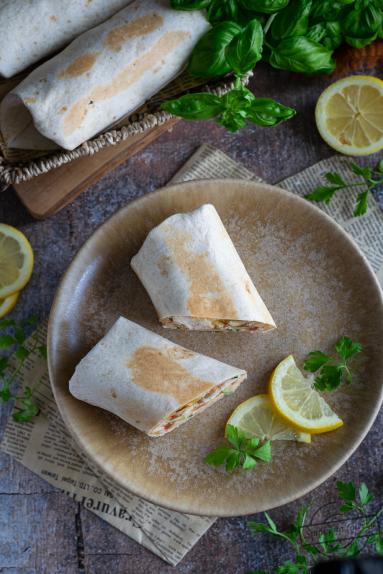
(45, 446)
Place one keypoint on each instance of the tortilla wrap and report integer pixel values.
(103, 75)
(195, 277)
(34, 29)
(148, 381)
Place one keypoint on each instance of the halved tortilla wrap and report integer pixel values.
(195, 277)
(103, 75)
(148, 381)
(33, 29)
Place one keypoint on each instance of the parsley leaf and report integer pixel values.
(243, 452)
(328, 545)
(13, 337)
(332, 371)
(370, 179)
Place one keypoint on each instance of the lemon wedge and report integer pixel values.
(256, 417)
(349, 115)
(297, 402)
(16, 260)
(7, 304)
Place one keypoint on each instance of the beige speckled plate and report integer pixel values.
(317, 286)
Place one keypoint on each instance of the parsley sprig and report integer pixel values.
(242, 452)
(371, 178)
(13, 353)
(329, 545)
(332, 370)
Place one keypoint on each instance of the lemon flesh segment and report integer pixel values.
(16, 260)
(7, 304)
(296, 400)
(256, 417)
(349, 115)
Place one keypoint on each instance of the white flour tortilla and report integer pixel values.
(103, 75)
(195, 277)
(146, 379)
(33, 29)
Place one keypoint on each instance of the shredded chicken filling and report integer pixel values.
(186, 412)
(212, 324)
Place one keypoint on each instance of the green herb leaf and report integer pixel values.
(362, 24)
(346, 491)
(249, 462)
(322, 193)
(264, 452)
(7, 341)
(315, 360)
(329, 379)
(300, 54)
(209, 55)
(365, 172)
(4, 323)
(22, 353)
(233, 461)
(271, 523)
(288, 567)
(335, 178)
(365, 495)
(195, 106)
(267, 112)
(189, 4)
(232, 436)
(379, 167)
(267, 6)
(327, 538)
(245, 49)
(353, 550)
(346, 348)
(223, 11)
(347, 507)
(260, 527)
(3, 364)
(361, 206)
(5, 394)
(292, 20)
(218, 456)
(20, 335)
(311, 549)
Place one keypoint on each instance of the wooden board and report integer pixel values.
(48, 193)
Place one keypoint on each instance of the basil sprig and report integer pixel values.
(295, 35)
(233, 110)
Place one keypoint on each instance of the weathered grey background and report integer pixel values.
(41, 530)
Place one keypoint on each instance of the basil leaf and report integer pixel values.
(267, 112)
(222, 11)
(317, 32)
(236, 104)
(362, 24)
(194, 106)
(326, 10)
(209, 55)
(292, 20)
(245, 50)
(299, 54)
(333, 37)
(189, 4)
(267, 6)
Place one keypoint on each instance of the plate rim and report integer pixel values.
(251, 185)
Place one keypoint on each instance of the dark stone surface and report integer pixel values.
(43, 531)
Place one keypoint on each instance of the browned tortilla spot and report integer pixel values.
(139, 27)
(30, 100)
(81, 65)
(122, 81)
(113, 393)
(156, 371)
(53, 18)
(208, 295)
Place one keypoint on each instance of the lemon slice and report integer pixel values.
(256, 417)
(296, 400)
(16, 260)
(7, 304)
(349, 115)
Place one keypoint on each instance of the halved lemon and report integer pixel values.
(256, 417)
(7, 304)
(16, 260)
(349, 115)
(297, 402)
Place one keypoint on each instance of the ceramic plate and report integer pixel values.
(317, 285)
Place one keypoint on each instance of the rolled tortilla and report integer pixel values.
(148, 381)
(33, 29)
(195, 277)
(105, 74)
